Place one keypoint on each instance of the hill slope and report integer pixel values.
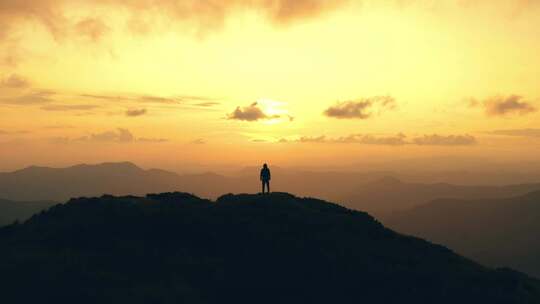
(492, 231)
(177, 248)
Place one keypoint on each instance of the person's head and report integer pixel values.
(265, 166)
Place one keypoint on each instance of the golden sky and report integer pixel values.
(190, 82)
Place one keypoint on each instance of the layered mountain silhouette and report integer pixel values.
(373, 191)
(277, 248)
(11, 211)
(388, 194)
(61, 184)
(492, 231)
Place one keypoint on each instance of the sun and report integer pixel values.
(275, 110)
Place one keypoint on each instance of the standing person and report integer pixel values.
(265, 178)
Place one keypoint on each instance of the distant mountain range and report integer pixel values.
(61, 184)
(388, 194)
(277, 248)
(374, 192)
(492, 231)
(20, 211)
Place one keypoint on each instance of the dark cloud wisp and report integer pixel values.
(91, 27)
(14, 81)
(68, 107)
(518, 132)
(201, 101)
(393, 140)
(33, 98)
(136, 112)
(442, 140)
(504, 105)
(250, 113)
(118, 136)
(363, 108)
(198, 141)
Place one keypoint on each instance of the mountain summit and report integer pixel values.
(277, 248)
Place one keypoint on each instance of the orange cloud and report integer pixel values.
(395, 140)
(250, 113)
(204, 15)
(92, 28)
(136, 112)
(513, 104)
(33, 98)
(120, 136)
(363, 108)
(518, 132)
(365, 139)
(67, 107)
(14, 81)
(441, 140)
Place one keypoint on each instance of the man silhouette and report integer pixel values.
(265, 178)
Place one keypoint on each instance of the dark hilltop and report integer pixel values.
(276, 248)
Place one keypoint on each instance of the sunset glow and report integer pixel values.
(185, 83)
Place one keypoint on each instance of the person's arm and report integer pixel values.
(269, 175)
(261, 175)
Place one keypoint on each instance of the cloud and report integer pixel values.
(51, 101)
(197, 101)
(9, 58)
(152, 140)
(393, 140)
(133, 98)
(349, 109)
(46, 12)
(14, 81)
(287, 11)
(366, 139)
(120, 136)
(207, 104)
(198, 141)
(106, 97)
(60, 140)
(518, 132)
(92, 28)
(58, 127)
(312, 139)
(396, 140)
(196, 16)
(18, 132)
(441, 140)
(157, 99)
(194, 98)
(250, 113)
(135, 112)
(34, 98)
(363, 108)
(199, 16)
(66, 108)
(504, 105)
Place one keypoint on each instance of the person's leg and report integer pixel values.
(262, 182)
(268, 186)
